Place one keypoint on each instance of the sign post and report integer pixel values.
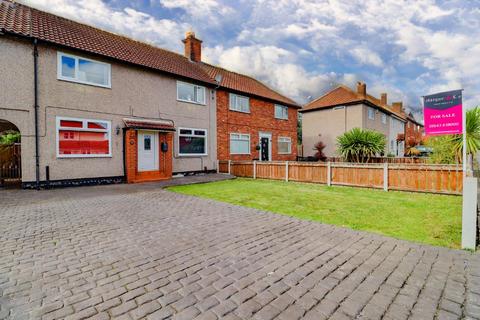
(444, 114)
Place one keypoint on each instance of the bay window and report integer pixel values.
(239, 143)
(192, 142)
(76, 69)
(77, 138)
(284, 145)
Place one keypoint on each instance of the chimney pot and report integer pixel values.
(383, 99)
(362, 89)
(193, 47)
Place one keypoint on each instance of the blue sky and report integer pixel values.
(305, 47)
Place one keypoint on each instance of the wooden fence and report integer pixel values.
(445, 179)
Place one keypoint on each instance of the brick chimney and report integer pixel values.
(193, 47)
(397, 107)
(383, 99)
(362, 89)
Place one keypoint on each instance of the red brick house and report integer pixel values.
(254, 122)
(414, 131)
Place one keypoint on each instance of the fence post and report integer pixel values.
(329, 173)
(229, 164)
(469, 213)
(385, 176)
(218, 166)
(254, 169)
(286, 171)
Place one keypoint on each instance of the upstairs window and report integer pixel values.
(384, 118)
(81, 138)
(82, 70)
(192, 142)
(239, 143)
(190, 93)
(239, 103)
(281, 112)
(371, 113)
(284, 145)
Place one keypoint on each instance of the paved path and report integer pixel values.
(131, 252)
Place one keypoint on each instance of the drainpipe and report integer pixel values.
(37, 142)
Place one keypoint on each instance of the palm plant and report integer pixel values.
(359, 145)
(473, 134)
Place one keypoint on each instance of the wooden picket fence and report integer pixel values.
(444, 179)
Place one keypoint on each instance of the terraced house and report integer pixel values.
(342, 109)
(96, 107)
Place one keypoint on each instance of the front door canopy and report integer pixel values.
(157, 124)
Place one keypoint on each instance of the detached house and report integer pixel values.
(342, 109)
(254, 122)
(96, 107)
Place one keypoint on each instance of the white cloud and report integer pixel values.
(200, 9)
(366, 56)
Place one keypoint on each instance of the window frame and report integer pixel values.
(240, 134)
(384, 119)
(195, 86)
(373, 113)
(289, 145)
(60, 76)
(231, 108)
(283, 108)
(84, 128)
(180, 154)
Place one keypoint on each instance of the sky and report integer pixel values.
(303, 48)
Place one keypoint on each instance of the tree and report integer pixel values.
(9, 137)
(359, 145)
(443, 150)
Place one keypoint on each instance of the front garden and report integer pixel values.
(420, 217)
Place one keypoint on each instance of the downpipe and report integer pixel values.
(36, 107)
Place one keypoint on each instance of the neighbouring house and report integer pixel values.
(342, 109)
(414, 131)
(254, 122)
(95, 107)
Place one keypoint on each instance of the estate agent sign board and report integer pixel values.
(443, 113)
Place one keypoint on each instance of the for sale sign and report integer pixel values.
(442, 113)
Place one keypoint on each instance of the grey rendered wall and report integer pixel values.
(135, 92)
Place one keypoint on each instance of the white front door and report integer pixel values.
(265, 146)
(147, 150)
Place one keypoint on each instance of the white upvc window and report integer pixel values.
(384, 118)
(284, 145)
(192, 142)
(192, 93)
(239, 103)
(281, 112)
(83, 138)
(371, 113)
(239, 143)
(82, 70)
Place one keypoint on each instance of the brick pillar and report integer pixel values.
(131, 154)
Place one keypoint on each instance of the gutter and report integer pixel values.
(36, 107)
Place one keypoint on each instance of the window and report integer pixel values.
(190, 93)
(80, 138)
(384, 118)
(281, 112)
(82, 70)
(284, 145)
(192, 142)
(239, 103)
(239, 143)
(371, 113)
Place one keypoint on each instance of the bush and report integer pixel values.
(319, 155)
(359, 145)
(9, 137)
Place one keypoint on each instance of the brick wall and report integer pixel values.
(261, 118)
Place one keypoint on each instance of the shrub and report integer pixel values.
(359, 145)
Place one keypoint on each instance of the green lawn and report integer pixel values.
(427, 218)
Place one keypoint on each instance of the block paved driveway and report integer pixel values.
(128, 253)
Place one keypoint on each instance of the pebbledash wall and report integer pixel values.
(134, 92)
(260, 119)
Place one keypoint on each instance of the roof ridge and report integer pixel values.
(329, 92)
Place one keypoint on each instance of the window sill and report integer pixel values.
(109, 86)
(192, 155)
(246, 112)
(83, 156)
(282, 119)
(192, 102)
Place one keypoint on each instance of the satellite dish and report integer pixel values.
(218, 78)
